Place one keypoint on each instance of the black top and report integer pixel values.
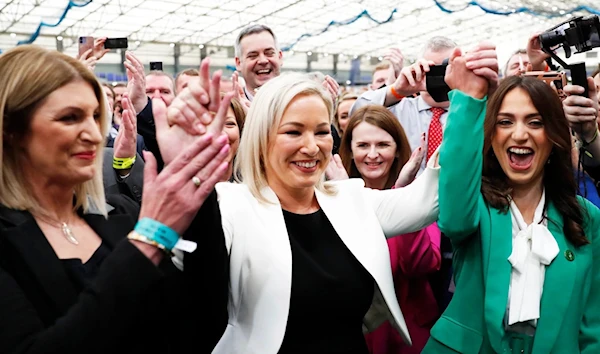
(326, 279)
(83, 274)
(43, 310)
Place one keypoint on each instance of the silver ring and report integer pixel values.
(197, 181)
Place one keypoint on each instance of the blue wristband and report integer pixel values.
(157, 232)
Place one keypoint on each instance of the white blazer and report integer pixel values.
(261, 257)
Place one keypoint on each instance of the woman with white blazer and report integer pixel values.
(308, 263)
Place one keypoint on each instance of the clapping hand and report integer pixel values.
(394, 56)
(332, 87)
(335, 170)
(238, 92)
(413, 165)
(125, 145)
(136, 81)
(174, 196)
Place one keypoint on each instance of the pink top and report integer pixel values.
(413, 257)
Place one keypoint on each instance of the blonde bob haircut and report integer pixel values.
(28, 75)
(262, 122)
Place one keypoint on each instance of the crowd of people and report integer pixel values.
(274, 213)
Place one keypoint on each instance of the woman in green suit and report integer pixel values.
(527, 249)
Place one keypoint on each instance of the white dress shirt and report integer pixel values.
(533, 248)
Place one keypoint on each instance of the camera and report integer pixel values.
(156, 65)
(116, 43)
(579, 32)
(435, 82)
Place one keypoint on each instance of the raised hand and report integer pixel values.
(483, 61)
(136, 81)
(199, 109)
(582, 112)
(335, 170)
(331, 86)
(88, 59)
(238, 92)
(98, 48)
(412, 78)
(535, 53)
(174, 196)
(126, 141)
(411, 168)
(460, 77)
(394, 56)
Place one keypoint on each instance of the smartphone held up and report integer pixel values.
(87, 42)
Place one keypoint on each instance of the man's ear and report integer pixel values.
(238, 63)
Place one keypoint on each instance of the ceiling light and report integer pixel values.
(201, 46)
(309, 53)
(291, 52)
(380, 58)
(348, 82)
(138, 42)
(59, 38)
(326, 54)
(355, 56)
(171, 45)
(13, 35)
(368, 57)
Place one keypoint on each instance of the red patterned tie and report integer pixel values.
(434, 137)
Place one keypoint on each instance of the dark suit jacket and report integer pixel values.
(130, 186)
(132, 306)
(147, 129)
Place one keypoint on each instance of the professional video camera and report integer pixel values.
(579, 32)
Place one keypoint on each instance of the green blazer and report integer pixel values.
(481, 235)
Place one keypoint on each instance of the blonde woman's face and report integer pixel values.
(232, 130)
(343, 114)
(300, 148)
(65, 135)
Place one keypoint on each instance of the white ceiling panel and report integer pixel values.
(327, 25)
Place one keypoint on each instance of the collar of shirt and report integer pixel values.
(422, 105)
(248, 94)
